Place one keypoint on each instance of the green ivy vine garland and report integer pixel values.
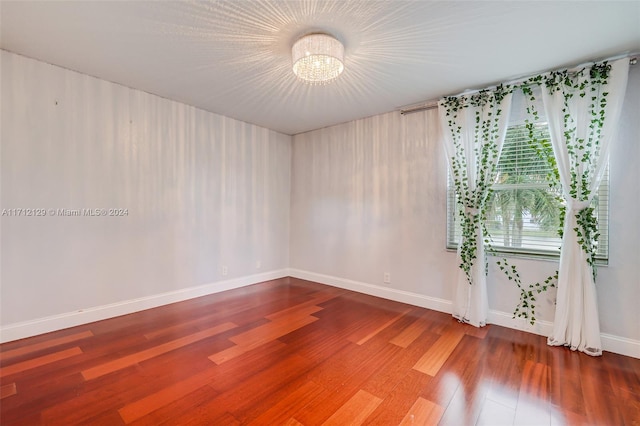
(582, 162)
(526, 307)
(486, 134)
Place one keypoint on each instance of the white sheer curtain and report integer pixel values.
(474, 130)
(575, 138)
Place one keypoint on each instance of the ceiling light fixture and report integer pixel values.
(317, 58)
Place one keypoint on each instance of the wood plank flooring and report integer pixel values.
(293, 352)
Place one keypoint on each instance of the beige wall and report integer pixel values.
(202, 191)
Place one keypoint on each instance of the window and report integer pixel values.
(524, 211)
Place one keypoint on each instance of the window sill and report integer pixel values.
(542, 256)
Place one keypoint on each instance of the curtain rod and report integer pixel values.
(632, 61)
(418, 108)
(425, 106)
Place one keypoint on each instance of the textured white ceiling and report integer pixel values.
(233, 57)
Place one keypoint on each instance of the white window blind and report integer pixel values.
(524, 211)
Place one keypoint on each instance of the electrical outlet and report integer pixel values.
(258, 264)
(387, 278)
(224, 270)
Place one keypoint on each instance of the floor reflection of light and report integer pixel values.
(498, 404)
(526, 409)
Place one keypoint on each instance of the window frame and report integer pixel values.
(602, 211)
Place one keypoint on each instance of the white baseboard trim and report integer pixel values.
(505, 319)
(38, 326)
(620, 345)
(610, 343)
(434, 303)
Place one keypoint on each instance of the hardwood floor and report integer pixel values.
(292, 352)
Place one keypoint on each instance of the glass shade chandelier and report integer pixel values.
(317, 58)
